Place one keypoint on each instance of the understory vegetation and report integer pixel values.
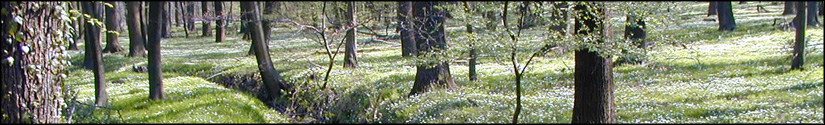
(697, 75)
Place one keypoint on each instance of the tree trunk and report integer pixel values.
(789, 8)
(635, 32)
(799, 45)
(205, 24)
(271, 78)
(593, 94)
(157, 12)
(33, 94)
(219, 30)
(144, 20)
(472, 61)
(405, 27)
(726, 20)
(190, 13)
(166, 26)
(432, 38)
(813, 18)
(136, 39)
(112, 25)
(712, 8)
(350, 59)
(95, 10)
(183, 18)
(77, 34)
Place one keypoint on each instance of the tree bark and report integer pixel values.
(157, 12)
(206, 29)
(431, 39)
(136, 39)
(183, 18)
(95, 10)
(405, 27)
(166, 26)
(219, 30)
(789, 8)
(32, 66)
(78, 32)
(350, 57)
(813, 18)
(799, 45)
(594, 100)
(712, 8)
(112, 26)
(271, 78)
(726, 20)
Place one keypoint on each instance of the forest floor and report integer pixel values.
(709, 77)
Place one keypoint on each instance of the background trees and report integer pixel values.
(136, 36)
(112, 27)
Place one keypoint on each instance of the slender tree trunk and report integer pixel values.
(813, 18)
(77, 34)
(112, 25)
(183, 18)
(712, 8)
(271, 78)
(136, 39)
(405, 27)
(144, 20)
(32, 96)
(219, 27)
(156, 20)
(472, 61)
(206, 29)
(350, 57)
(789, 8)
(432, 38)
(95, 10)
(726, 20)
(166, 26)
(593, 73)
(799, 45)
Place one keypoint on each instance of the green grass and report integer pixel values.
(717, 77)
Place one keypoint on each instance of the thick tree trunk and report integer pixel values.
(206, 29)
(789, 8)
(726, 20)
(431, 39)
(813, 18)
(219, 30)
(157, 10)
(799, 45)
(112, 25)
(593, 94)
(271, 78)
(350, 58)
(95, 10)
(32, 94)
(136, 36)
(712, 8)
(405, 27)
